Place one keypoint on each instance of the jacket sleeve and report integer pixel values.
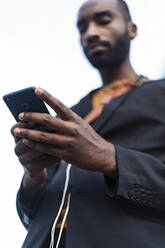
(140, 148)
(141, 179)
(27, 210)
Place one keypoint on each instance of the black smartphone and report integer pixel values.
(24, 100)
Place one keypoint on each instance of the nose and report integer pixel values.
(92, 33)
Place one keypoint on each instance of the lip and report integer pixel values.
(96, 48)
(95, 45)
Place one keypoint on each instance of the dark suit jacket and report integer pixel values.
(103, 213)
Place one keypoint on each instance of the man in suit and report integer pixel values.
(108, 190)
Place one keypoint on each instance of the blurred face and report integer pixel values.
(103, 33)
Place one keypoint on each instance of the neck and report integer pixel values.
(124, 71)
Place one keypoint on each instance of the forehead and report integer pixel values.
(91, 7)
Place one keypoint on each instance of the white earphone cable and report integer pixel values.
(63, 221)
(61, 206)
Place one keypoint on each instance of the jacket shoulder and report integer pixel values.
(154, 83)
(150, 89)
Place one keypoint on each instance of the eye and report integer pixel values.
(82, 27)
(104, 20)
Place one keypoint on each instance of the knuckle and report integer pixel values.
(46, 118)
(75, 130)
(28, 115)
(59, 103)
(69, 144)
(43, 137)
(78, 119)
(59, 106)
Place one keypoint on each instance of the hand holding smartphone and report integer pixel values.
(24, 100)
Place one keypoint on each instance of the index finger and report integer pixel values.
(63, 111)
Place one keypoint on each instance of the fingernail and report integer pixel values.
(39, 91)
(24, 141)
(17, 131)
(21, 116)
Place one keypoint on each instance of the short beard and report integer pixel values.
(115, 55)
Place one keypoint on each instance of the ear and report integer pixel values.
(132, 30)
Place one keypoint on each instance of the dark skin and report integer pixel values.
(34, 162)
(71, 130)
(103, 21)
(94, 153)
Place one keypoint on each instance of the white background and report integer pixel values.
(39, 46)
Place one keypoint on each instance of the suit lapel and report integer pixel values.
(109, 110)
(84, 107)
